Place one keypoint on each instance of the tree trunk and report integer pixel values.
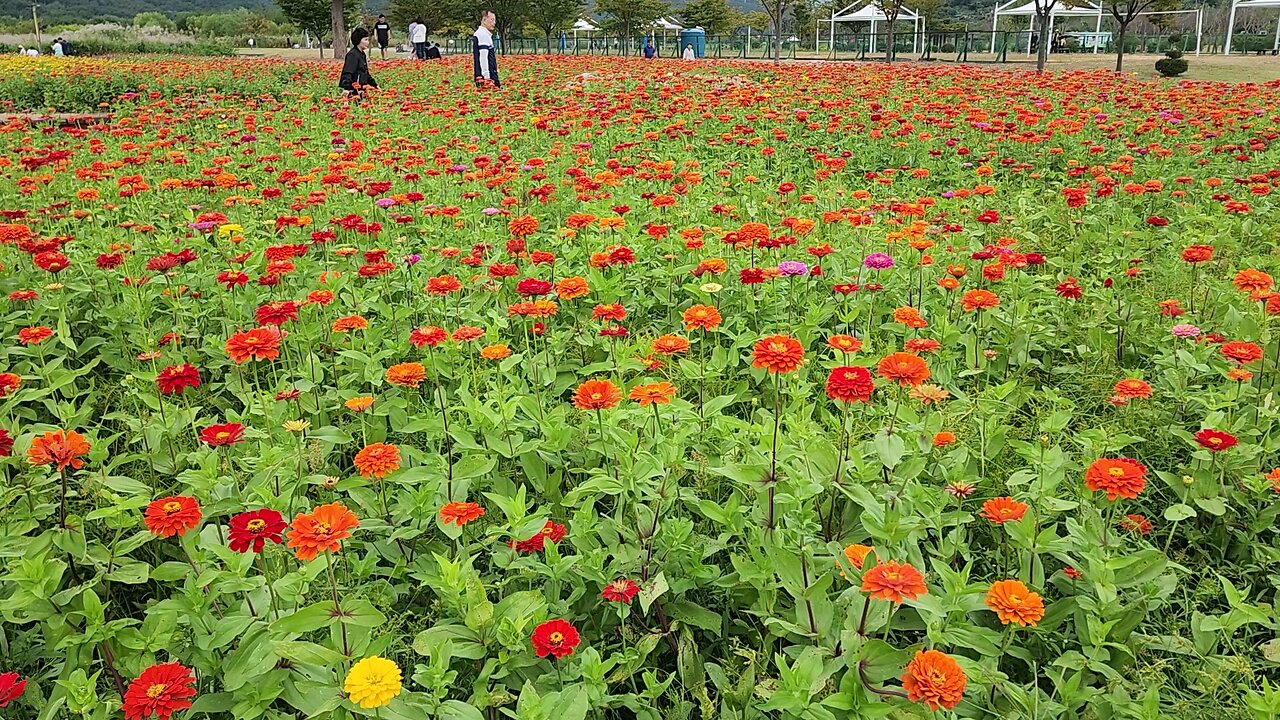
(339, 32)
(888, 51)
(1120, 47)
(1042, 51)
(777, 38)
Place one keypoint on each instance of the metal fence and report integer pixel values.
(959, 46)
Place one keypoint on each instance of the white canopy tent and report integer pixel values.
(1059, 10)
(1248, 5)
(867, 11)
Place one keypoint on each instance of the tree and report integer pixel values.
(755, 20)
(508, 15)
(891, 10)
(316, 17)
(803, 20)
(627, 16)
(1125, 12)
(777, 10)
(714, 16)
(551, 15)
(153, 19)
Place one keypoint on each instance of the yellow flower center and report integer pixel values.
(172, 507)
(891, 576)
(255, 525)
(1116, 472)
(1215, 441)
(156, 690)
(251, 340)
(223, 435)
(322, 528)
(557, 638)
(596, 396)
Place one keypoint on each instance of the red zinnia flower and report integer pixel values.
(850, 384)
(225, 434)
(778, 354)
(171, 516)
(176, 378)
(11, 688)
(621, 590)
(1001, 510)
(1117, 477)
(61, 448)
(555, 637)
(1215, 441)
(460, 513)
(159, 691)
(254, 528)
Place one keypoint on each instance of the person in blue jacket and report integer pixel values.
(649, 50)
(484, 60)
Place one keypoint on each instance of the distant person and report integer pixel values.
(355, 79)
(688, 52)
(419, 40)
(484, 61)
(649, 51)
(432, 51)
(58, 50)
(33, 52)
(382, 29)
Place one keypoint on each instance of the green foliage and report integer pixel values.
(628, 18)
(551, 16)
(314, 16)
(714, 16)
(1172, 64)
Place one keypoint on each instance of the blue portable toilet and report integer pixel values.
(697, 37)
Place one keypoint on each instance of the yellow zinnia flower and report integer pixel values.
(373, 682)
(297, 425)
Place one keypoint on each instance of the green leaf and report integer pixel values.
(697, 616)
(306, 653)
(653, 590)
(251, 659)
(889, 448)
(458, 710)
(1178, 512)
(309, 618)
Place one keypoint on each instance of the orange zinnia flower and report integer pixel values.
(1117, 477)
(407, 374)
(1001, 510)
(660, 392)
(378, 460)
(702, 317)
(323, 529)
(495, 352)
(596, 395)
(857, 554)
(1014, 603)
(61, 448)
(460, 513)
(572, 287)
(894, 582)
(670, 345)
(905, 368)
(935, 679)
(979, 300)
(910, 317)
(1132, 388)
(359, 404)
(778, 354)
(257, 344)
(845, 343)
(171, 516)
(1250, 280)
(349, 323)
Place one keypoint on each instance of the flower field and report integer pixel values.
(637, 390)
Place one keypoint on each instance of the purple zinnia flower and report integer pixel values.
(792, 267)
(1185, 331)
(412, 260)
(384, 203)
(490, 211)
(878, 261)
(203, 226)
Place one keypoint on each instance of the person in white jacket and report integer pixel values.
(688, 52)
(484, 62)
(418, 36)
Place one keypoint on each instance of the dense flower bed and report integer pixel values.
(639, 390)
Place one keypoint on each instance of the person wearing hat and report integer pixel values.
(355, 78)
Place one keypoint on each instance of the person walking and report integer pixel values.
(418, 37)
(484, 61)
(382, 29)
(355, 79)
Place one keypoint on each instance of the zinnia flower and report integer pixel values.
(904, 368)
(226, 434)
(845, 343)
(11, 688)
(257, 344)
(894, 582)
(373, 682)
(1130, 388)
(979, 300)
(159, 691)
(9, 382)
(176, 378)
(252, 530)
(670, 345)
(497, 351)
(1215, 441)
(935, 679)
(406, 374)
(857, 554)
(621, 590)
(171, 516)
(1117, 477)
(596, 395)
(1001, 510)
(703, 317)
(323, 529)
(555, 637)
(460, 513)
(1014, 603)
(34, 335)
(378, 460)
(659, 392)
(1241, 352)
(62, 448)
(778, 354)
(359, 403)
(850, 384)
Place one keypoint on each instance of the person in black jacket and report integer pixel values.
(355, 78)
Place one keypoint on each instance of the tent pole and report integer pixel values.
(1276, 45)
(1231, 21)
(1031, 29)
(995, 25)
(831, 45)
(1097, 31)
(1049, 34)
(873, 36)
